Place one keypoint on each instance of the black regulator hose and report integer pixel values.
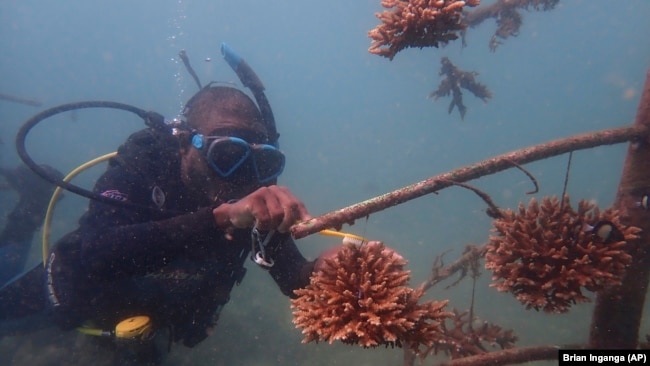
(152, 119)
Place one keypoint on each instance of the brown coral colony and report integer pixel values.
(360, 297)
(547, 253)
(416, 23)
(454, 80)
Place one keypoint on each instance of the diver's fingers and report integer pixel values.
(294, 210)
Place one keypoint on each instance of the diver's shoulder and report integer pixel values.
(148, 141)
(148, 137)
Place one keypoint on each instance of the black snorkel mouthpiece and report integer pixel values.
(249, 78)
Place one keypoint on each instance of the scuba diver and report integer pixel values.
(24, 219)
(173, 219)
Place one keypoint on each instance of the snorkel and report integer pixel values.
(249, 78)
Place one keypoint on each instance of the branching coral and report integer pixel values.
(464, 339)
(360, 297)
(416, 23)
(547, 253)
(508, 18)
(454, 80)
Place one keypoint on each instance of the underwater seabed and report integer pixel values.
(256, 329)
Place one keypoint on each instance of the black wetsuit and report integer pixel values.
(171, 262)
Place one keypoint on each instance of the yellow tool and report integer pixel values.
(349, 239)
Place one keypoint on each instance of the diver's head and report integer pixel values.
(227, 155)
(222, 108)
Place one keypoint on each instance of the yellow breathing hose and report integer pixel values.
(55, 196)
(92, 331)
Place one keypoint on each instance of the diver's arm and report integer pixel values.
(290, 269)
(129, 249)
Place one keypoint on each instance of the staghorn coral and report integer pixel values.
(454, 80)
(416, 23)
(547, 253)
(360, 297)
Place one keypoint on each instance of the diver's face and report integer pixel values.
(209, 186)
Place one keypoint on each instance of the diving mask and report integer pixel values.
(226, 155)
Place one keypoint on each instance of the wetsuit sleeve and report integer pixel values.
(137, 248)
(291, 270)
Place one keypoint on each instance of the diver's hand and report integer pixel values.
(268, 208)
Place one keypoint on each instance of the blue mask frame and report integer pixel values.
(227, 154)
